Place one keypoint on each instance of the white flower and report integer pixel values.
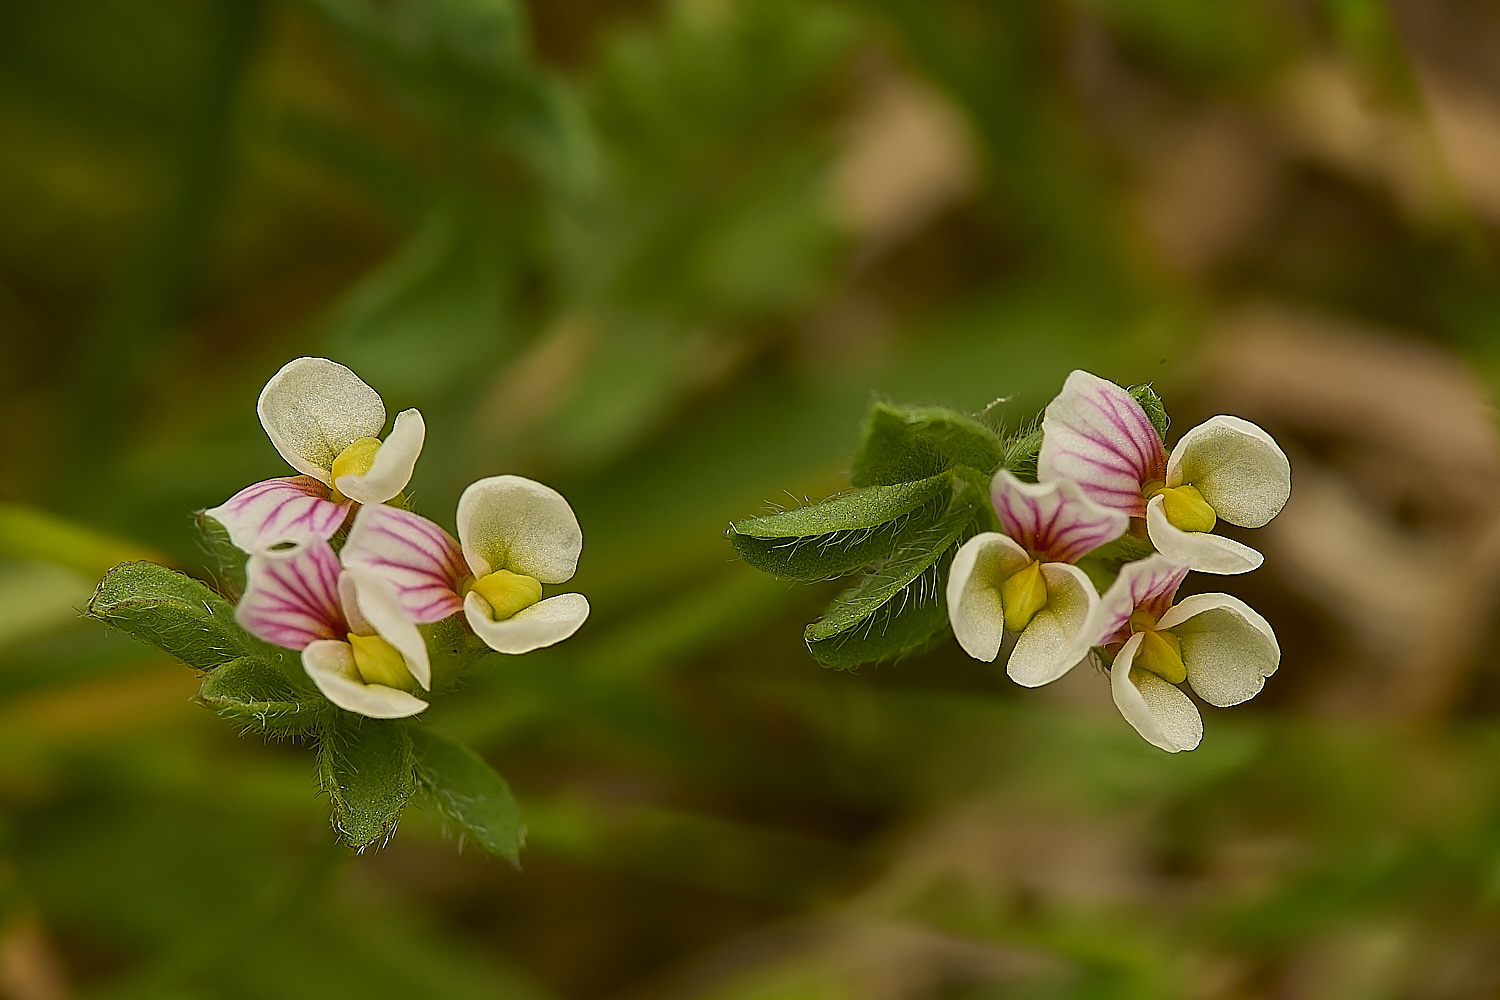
(1215, 642)
(1097, 435)
(514, 535)
(1023, 581)
(324, 421)
(358, 644)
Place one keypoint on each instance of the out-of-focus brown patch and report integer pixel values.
(29, 966)
(101, 707)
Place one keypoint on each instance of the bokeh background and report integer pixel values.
(661, 254)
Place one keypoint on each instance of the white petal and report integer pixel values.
(291, 511)
(1096, 434)
(315, 408)
(1054, 519)
(1159, 711)
(507, 522)
(1240, 470)
(1229, 650)
(1202, 551)
(391, 470)
(543, 624)
(1057, 639)
(979, 567)
(292, 600)
(1144, 585)
(330, 664)
(378, 603)
(418, 558)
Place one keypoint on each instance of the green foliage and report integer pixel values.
(224, 558)
(469, 793)
(175, 613)
(837, 536)
(1156, 410)
(256, 694)
(903, 443)
(367, 767)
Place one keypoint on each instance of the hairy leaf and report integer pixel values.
(175, 613)
(839, 535)
(904, 443)
(224, 557)
(255, 693)
(903, 625)
(368, 769)
(469, 793)
(1156, 411)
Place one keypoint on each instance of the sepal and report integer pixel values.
(469, 794)
(368, 769)
(254, 693)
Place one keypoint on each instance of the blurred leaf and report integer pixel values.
(839, 535)
(175, 613)
(36, 597)
(469, 793)
(27, 533)
(904, 443)
(369, 772)
(255, 693)
(1156, 410)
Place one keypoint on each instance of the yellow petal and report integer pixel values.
(1186, 509)
(1161, 653)
(354, 460)
(1022, 595)
(506, 592)
(378, 662)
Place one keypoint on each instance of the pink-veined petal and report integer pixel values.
(979, 568)
(543, 624)
(292, 600)
(1057, 639)
(1160, 712)
(1148, 585)
(508, 522)
(313, 408)
(1228, 648)
(419, 559)
(1200, 551)
(1236, 466)
(392, 468)
(1097, 435)
(330, 664)
(381, 610)
(291, 511)
(1054, 521)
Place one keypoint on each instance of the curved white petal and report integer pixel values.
(1057, 639)
(1237, 467)
(1159, 711)
(543, 624)
(1202, 551)
(378, 603)
(418, 558)
(391, 470)
(315, 408)
(1096, 434)
(292, 600)
(330, 664)
(1144, 585)
(1054, 520)
(979, 567)
(1229, 650)
(507, 522)
(290, 511)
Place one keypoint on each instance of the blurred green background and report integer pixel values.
(662, 254)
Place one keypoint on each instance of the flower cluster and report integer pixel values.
(1103, 473)
(354, 613)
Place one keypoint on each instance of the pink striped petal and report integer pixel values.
(292, 511)
(293, 600)
(1148, 585)
(1097, 435)
(1054, 521)
(416, 557)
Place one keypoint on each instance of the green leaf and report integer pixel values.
(904, 443)
(1156, 411)
(839, 535)
(369, 772)
(469, 793)
(898, 607)
(224, 557)
(255, 693)
(175, 613)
